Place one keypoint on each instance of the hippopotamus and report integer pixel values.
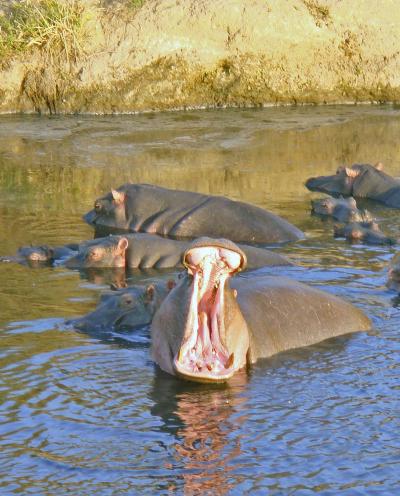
(133, 250)
(209, 327)
(144, 251)
(341, 209)
(368, 232)
(41, 255)
(187, 215)
(125, 309)
(360, 181)
(393, 281)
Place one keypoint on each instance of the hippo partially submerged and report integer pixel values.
(341, 209)
(185, 214)
(41, 255)
(133, 250)
(208, 327)
(361, 181)
(125, 309)
(393, 281)
(366, 232)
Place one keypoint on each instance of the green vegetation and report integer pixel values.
(137, 3)
(55, 27)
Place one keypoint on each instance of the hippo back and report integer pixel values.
(282, 314)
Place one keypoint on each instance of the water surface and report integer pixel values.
(91, 414)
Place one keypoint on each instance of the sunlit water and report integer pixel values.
(89, 415)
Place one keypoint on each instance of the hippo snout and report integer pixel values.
(90, 217)
(311, 183)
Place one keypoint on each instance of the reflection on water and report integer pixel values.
(87, 414)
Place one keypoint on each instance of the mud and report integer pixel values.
(169, 54)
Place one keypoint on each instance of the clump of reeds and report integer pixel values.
(55, 27)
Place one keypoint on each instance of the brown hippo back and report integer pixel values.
(282, 314)
(185, 214)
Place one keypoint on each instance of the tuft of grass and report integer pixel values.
(136, 4)
(55, 27)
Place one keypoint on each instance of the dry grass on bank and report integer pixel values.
(54, 27)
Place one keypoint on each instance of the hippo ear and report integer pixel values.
(170, 284)
(374, 226)
(351, 172)
(379, 166)
(118, 196)
(122, 245)
(150, 291)
(366, 216)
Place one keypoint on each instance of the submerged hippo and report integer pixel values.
(41, 255)
(125, 309)
(207, 328)
(361, 181)
(393, 281)
(341, 209)
(367, 232)
(185, 214)
(144, 251)
(135, 250)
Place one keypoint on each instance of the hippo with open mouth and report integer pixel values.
(361, 181)
(208, 328)
(186, 214)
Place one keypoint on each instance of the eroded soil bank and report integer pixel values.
(167, 54)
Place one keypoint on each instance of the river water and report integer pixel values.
(89, 415)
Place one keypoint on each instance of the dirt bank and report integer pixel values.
(165, 54)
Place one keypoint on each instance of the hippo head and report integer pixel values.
(342, 183)
(324, 206)
(101, 252)
(36, 254)
(199, 332)
(109, 211)
(125, 309)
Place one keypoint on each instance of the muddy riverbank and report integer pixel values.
(167, 54)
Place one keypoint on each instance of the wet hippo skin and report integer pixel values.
(209, 327)
(185, 214)
(133, 250)
(341, 209)
(361, 181)
(125, 309)
(367, 232)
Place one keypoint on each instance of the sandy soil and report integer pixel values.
(207, 53)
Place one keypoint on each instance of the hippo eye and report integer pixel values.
(126, 300)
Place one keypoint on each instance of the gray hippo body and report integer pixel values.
(341, 209)
(185, 214)
(41, 255)
(132, 250)
(366, 232)
(208, 328)
(125, 309)
(360, 181)
(393, 280)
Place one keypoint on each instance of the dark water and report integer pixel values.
(87, 415)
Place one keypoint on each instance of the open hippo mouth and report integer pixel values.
(203, 355)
